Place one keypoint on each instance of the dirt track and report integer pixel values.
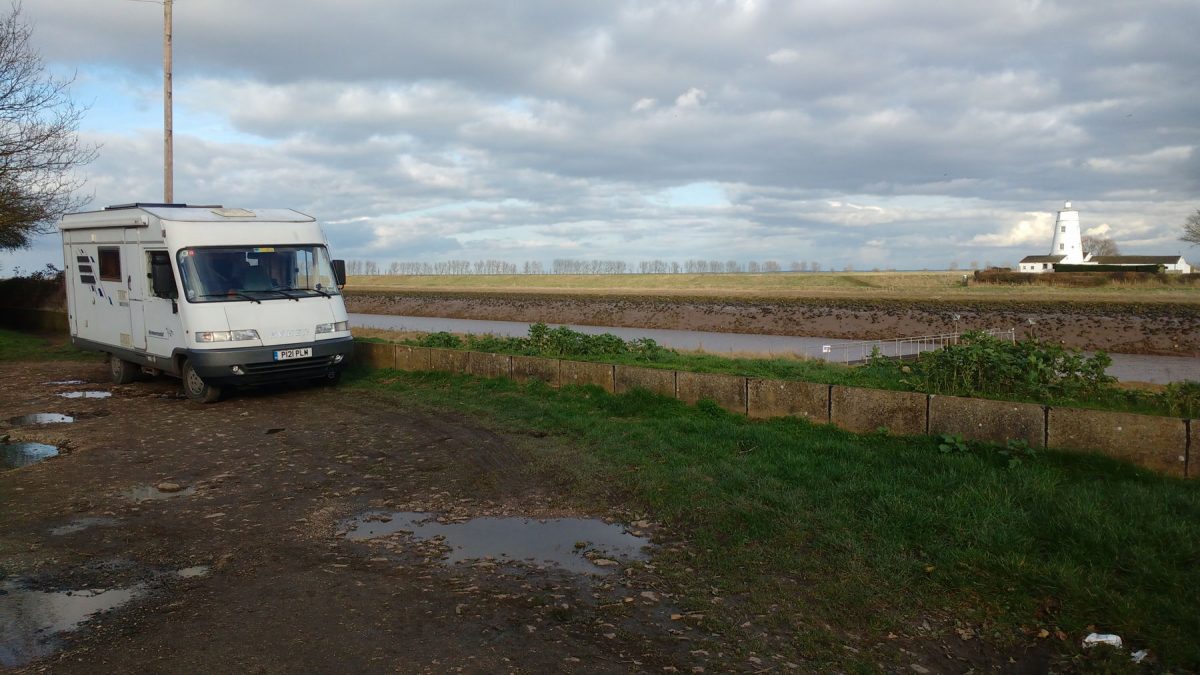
(1131, 328)
(273, 472)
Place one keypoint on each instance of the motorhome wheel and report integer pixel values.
(196, 388)
(123, 372)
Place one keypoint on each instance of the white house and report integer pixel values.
(1067, 248)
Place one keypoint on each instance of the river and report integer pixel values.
(1127, 367)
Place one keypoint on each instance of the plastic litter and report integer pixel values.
(1109, 639)
(1140, 655)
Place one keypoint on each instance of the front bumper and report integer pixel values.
(259, 366)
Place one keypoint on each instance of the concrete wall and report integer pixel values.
(979, 419)
(727, 391)
(1162, 444)
(483, 364)
(584, 372)
(866, 410)
(375, 355)
(786, 398)
(412, 358)
(1159, 443)
(448, 360)
(528, 368)
(651, 379)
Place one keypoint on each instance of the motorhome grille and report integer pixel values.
(294, 366)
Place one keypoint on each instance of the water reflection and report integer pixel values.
(570, 543)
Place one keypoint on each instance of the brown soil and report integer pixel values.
(274, 471)
(1131, 328)
(268, 476)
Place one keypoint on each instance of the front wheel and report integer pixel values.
(196, 388)
(123, 372)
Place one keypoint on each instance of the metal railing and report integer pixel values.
(899, 348)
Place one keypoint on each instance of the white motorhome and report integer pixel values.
(218, 297)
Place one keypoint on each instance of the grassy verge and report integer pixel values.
(981, 367)
(18, 346)
(820, 540)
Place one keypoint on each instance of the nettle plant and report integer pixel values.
(981, 364)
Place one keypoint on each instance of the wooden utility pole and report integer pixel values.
(168, 141)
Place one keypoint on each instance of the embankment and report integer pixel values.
(1121, 327)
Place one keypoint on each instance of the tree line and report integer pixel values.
(577, 266)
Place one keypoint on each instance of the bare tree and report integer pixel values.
(1191, 229)
(39, 148)
(1100, 245)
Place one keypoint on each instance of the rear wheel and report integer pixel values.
(123, 372)
(196, 388)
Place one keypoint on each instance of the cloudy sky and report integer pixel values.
(875, 133)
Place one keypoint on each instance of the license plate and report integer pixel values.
(285, 354)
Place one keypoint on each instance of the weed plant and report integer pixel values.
(983, 365)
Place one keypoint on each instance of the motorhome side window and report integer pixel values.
(162, 280)
(110, 263)
(255, 273)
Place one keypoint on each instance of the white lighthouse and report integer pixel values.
(1068, 242)
(1066, 248)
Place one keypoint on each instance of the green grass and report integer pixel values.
(934, 285)
(865, 535)
(18, 346)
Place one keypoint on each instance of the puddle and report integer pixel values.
(82, 523)
(16, 455)
(147, 493)
(86, 394)
(193, 572)
(31, 620)
(40, 418)
(65, 382)
(551, 541)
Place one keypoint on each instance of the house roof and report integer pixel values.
(1042, 258)
(1136, 259)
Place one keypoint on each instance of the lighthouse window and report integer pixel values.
(1061, 246)
(1063, 228)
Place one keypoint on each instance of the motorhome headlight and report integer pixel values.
(333, 327)
(226, 335)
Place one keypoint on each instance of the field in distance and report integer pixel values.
(778, 285)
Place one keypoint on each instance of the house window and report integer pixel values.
(110, 263)
(1045, 266)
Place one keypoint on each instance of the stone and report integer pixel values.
(727, 391)
(780, 398)
(978, 419)
(1157, 443)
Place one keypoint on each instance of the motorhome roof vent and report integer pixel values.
(233, 213)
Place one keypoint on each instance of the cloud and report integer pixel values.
(691, 98)
(918, 131)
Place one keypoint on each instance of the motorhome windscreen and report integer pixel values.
(255, 273)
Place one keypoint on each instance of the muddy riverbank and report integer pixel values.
(1130, 328)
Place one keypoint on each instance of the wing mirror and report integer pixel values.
(339, 272)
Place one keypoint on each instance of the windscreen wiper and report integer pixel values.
(314, 290)
(289, 296)
(225, 295)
